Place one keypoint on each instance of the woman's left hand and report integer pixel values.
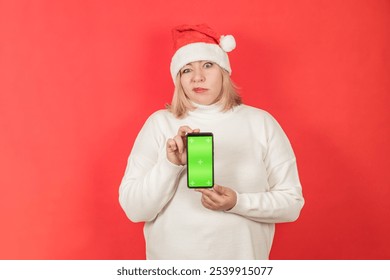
(218, 198)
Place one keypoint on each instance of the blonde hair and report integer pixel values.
(181, 104)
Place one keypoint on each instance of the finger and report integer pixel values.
(171, 145)
(207, 193)
(202, 190)
(219, 189)
(212, 196)
(179, 143)
(183, 130)
(179, 138)
(209, 204)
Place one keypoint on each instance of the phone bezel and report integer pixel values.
(200, 134)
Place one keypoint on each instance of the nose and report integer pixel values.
(198, 75)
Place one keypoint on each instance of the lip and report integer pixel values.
(199, 90)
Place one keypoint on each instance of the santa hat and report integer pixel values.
(200, 42)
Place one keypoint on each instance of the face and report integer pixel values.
(202, 82)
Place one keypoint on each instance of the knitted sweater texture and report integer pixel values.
(252, 155)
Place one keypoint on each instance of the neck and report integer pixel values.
(213, 111)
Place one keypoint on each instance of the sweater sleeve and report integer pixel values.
(150, 180)
(283, 200)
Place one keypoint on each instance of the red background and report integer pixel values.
(79, 78)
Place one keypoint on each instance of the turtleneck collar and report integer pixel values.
(213, 111)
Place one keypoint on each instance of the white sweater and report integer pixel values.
(252, 156)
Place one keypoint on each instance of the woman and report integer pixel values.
(256, 177)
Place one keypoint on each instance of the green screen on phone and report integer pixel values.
(200, 160)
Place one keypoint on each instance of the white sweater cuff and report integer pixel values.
(236, 208)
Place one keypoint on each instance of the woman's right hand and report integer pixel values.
(176, 146)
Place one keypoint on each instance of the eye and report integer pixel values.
(208, 64)
(185, 70)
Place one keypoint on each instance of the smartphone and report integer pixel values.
(200, 160)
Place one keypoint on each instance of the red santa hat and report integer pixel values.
(200, 42)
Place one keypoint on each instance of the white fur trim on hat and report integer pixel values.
(199, 51)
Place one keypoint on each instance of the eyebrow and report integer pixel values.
(190, 63)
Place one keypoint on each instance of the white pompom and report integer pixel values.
(227, 43)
